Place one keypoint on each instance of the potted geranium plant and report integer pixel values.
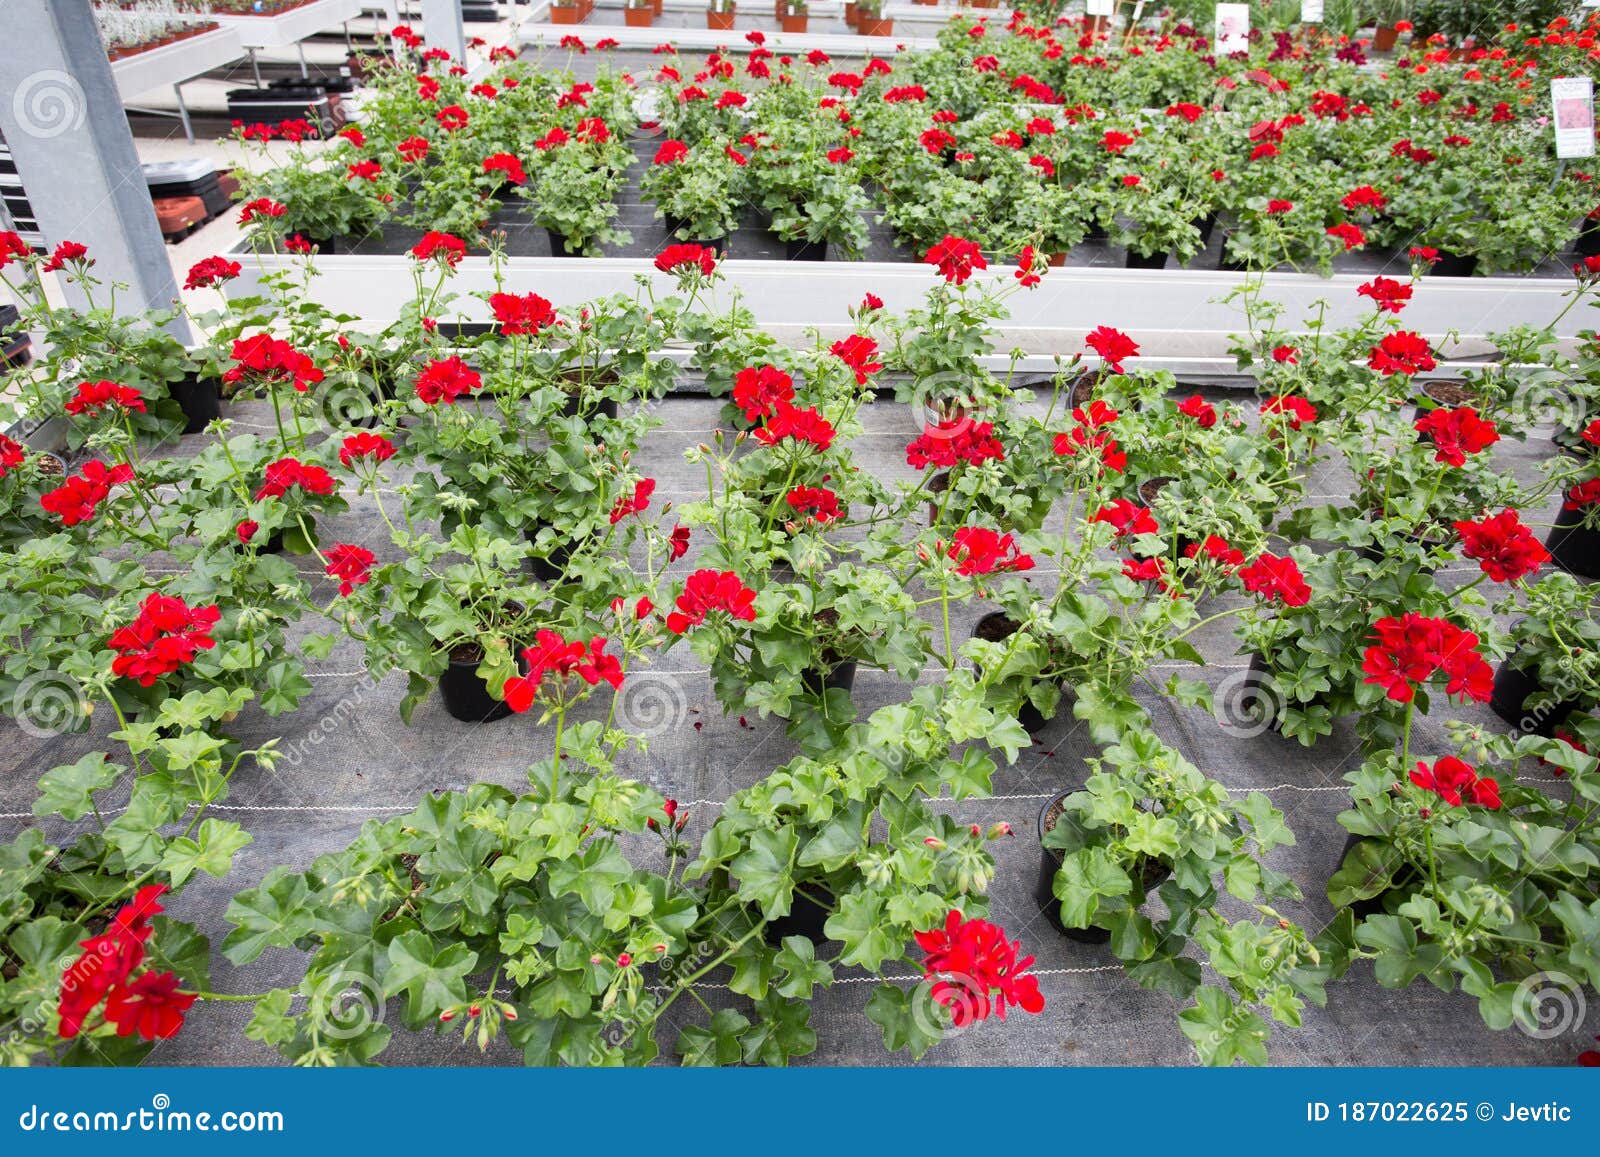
(719, 14)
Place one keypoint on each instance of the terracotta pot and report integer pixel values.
(566, 13)
(721, 21)
(638, 17)
(655, 6)
(874, 26)
(1384, 38)
(1057, 260)
(851, 13)
(794, 23)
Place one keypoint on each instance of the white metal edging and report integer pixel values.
(176, 62)
(287, 29)
(1170, 313)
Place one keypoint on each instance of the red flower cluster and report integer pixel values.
(1364, 197)
(93, 397)
(12, 248)
(1386, 293)
(857, 352)
(350, 564)
(166, 634)
(978, 550)
(1401, 353)
(1215, 549)
(1127, 518)
(635, 503)
(1202, 411)
(525, 314)
(1350, 235)
(75, 500)
(1089, 435)
(211, 272)
(707, 591)
(260, 208)
(759, 390)
(287, 472)
(271, 361)
(956, 258)
(815, 502)
(440, 247)
(945, 444)
(1273, 577)
(150, 1004)
(1456, 781)
(686, 258)
(365, 445)
(67, 253)
(413, 149)
(787, 421)
(12, 455)
(452, 118)
(446, 379)
(1027, 262)
(1411, 649)
(553, 655)
(1503, 547)
(507, 165)
(1112, 345)
(1295, 411)
(670, 153)
(1456, 433)
(975, 970)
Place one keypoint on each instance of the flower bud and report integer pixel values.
(999, 829)
(597, 959)
(447, 1015)
(624, 960)
(934, 842)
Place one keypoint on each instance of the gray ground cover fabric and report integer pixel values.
(348, 759)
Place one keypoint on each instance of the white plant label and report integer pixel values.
(1233, 28)
(1109, 7)
(1311, 11)
(1572, 97)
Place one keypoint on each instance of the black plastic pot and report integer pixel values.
(200, 401)
(1574, 547)
(841, 676)
(1050, 863)
(1588, 243)
(1206, 225)
(558, 245)
(553, 566)
(1372, 905)
(1141, 261)
(808, 914)
(802, 250)
(1513, 687)
(573, 407)
(1256, 697)
(465, 694)
(996, 627)
(1454, 265)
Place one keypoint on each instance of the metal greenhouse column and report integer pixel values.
(63, 119)
(441, 27)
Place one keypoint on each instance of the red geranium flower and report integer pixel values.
(1454, 781)
(166, 634)
(936, 141)
(1585, 493)
(446, 380)
(1457, 433)
(1202, 411)
(1277, 208)
(1127, 518)
(151, 1006)
(944, 444)
(1295, 411)
(707, 591)
(678, 542)
(857, 352)
(260, 208)
(451, 118)
(440, 246)
(506, 164)
(1386, 293)
(12, 248)
(246, 530)
(635, 503)
(413, 149)
(269, 361)
(365, 445)
(1402, 353)
(1026, 263)
(1116, 143)
(814, 502)
(1364, 197)
(525, 314)
(1215, 549)
(211, 272)
(806, 426)
(956, 258)
(1350, 235)
(76, 499)
(286, 472)
(1503, 547)
(1147, 570)
(670, 152)
(686, 258)
(1423, 254)
(1112, 345)
(1409, 650)
(1278, 578)
(758, 390)
(1286, 355)
(976, 970)
(978, 550)
(93, 397)
(363, 171)
(350, 564)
